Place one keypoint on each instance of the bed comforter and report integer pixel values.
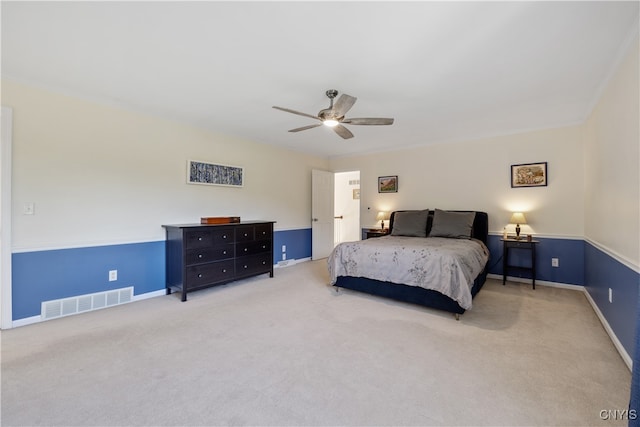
(446, 265)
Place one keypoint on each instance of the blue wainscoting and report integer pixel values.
(298, 243)
(603, 272)
(47, 275)
(53, 274)
(570, 253)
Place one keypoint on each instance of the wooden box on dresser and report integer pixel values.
(202, 255)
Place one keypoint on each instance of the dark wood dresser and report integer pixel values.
(202, 255)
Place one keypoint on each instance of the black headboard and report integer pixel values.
(480, 229)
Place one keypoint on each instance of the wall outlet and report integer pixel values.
(284, 248)
(113, 275)
(555, 262)
(610, 295)
(284, 257)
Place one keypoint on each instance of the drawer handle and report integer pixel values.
(199, 255)
(264, 246)
(245, 234)
(245, 266)
(199, 275)
(264, 262)
(224, 252)
(224, 270)
(245, 249)
(200, 239)
(224, 237)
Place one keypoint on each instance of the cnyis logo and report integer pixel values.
(618, 414)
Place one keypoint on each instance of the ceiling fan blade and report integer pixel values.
(343, 104)
(343, 131)
(296, 112)
(369, 121)
(306, 127)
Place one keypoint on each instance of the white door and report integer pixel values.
(322, 187)
(5, 219)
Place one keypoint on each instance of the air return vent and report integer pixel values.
(84, 303)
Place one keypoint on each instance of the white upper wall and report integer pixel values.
(612, 163)
(100, 175)
(475, 175)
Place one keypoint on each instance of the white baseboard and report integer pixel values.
(148, 295)
(290, 262)
(538, 282)
(26, 321)
(614, 339)
(616, 342)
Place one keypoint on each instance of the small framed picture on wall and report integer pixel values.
(388, 184)
(529, 175)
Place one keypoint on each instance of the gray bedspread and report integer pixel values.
(448, 266)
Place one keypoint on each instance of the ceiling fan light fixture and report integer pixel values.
(334, 116)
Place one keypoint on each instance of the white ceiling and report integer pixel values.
(445, 71)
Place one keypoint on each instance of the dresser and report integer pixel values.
(202, 255)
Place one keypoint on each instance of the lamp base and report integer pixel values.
(382, 225)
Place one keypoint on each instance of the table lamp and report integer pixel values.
(382, 215)
(517, 218)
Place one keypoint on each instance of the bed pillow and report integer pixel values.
(410, 223)
(452, 224)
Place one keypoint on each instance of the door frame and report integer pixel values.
(6, 136)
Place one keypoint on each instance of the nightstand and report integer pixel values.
(509, 244)
(376, 232)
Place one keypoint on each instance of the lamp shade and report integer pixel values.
(382, 215)
(517, 218)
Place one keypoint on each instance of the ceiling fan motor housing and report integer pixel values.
(328, 114)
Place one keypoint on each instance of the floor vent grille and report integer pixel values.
(83, 303)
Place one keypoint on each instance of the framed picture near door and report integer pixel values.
(388, 184)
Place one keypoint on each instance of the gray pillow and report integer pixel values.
(410, 223)
(452, 224)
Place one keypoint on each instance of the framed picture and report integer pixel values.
(388, 184)
(214, 174)
(529, 175)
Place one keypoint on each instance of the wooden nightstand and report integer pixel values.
(376, 232)
(508, 244)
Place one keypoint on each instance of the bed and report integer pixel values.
(434, 258)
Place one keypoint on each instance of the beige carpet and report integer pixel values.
(290, 351)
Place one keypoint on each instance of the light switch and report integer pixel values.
(29, 208)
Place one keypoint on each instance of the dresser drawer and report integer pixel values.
(208, 237)
(198, 239)
(264, 231)
(202, 255)
(253, 264)
(245, 233)
(203, 274)
(251, 248)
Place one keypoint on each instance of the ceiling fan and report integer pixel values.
(334, 118)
